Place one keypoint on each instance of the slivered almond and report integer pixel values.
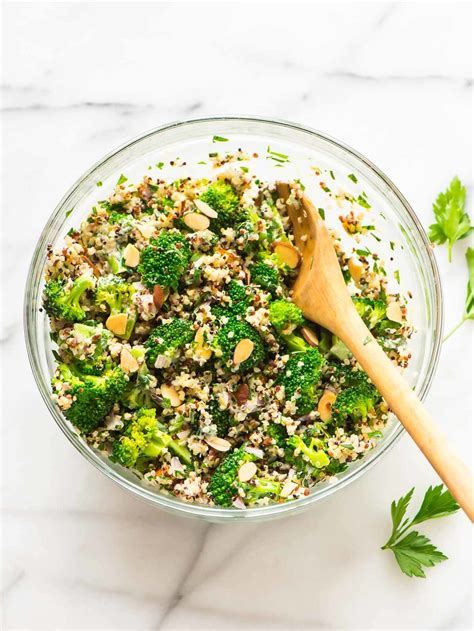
(146, 229)
(325, 405)
(196, 222)
(131, 255)
(169, 392)
(394, 312)
(247, 471)
(219, 444)
(309, 336)
(356, 269)
(199, 337)
(128, 363)
(243, 350)
(287, 253)
(117, 323)
(205, 208)
(159, 296)
(288, 488)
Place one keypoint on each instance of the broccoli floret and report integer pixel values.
(224, 481)
(354, 403)
(165, 260)
(117, 294)
(93, 395)
(222, 198)
(62, 301)
(266, 277)
(371, 311)
(138, 395)
(222, 419)
(260, 487)
(301, 376)
(231, 333)
(278, 433)
(144, 440)
(311, 452)
(239, 301)
(285, 316)
(166, 340)
(93, 364)
(250, 238)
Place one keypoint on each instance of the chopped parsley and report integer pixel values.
(122, 179)
(352, 177)
(219, 139)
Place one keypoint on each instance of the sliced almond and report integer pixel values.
(196, 221)
(247, 471)
(242, 394)
(117, 323)
(159, 296)
(288, 488)
(356, 269)
(131, 255)
(199, 337)
(128, 363)
(146, 229)
(219, 444)
(287, 253)
(309, 336)
(203, 353)
(394, 312)
(243, 350)
(325, 405)
(205, 208)
(169, 392)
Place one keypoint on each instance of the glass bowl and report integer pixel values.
(191, 141)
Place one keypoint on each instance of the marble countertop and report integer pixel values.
(393, 80)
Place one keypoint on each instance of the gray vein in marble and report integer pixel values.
(102, 105)
(179, 592)
(19, 576)
(355, 76)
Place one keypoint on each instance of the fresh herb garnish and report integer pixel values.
(363, 202)
(219, 139)
(363, 252)
(68, 212)
(122, 179)
(414, 551)
(244, 169)
(331, 173)
(322, 214)
(160, 165)
(396, 273)
(303, 187)
(352, 177)
(469, 306)
(452, 223)
(99, 183)
(277, 157)
(202, 162)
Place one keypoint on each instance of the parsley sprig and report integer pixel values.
(413, 551)
(452, 223)
(469, 306)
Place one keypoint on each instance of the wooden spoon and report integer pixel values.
(322, 295)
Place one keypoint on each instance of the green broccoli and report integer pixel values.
(265, 276)
(311, 452)
(301, 377)
(224, 481)
(285, 316)
(250, 238)
(222, 198)
(278, 433)
(257, 488)
(137, 395)
(371, 311)
(234, 331)
(117, 294)
(166, 340)
(165, 260)
(62, 301)
(222, 419)
(93, 395)
(144, 439)
(93, 364)
(354, 403)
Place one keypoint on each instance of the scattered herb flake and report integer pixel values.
(331, 173)
(363, 202)
(396, 273)
(68, 212)
(352, 177)
(122, 179)
(99, 183)
(322, 213)
(219, 139)
(160, 165)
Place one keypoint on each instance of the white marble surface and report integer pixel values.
(393, 80)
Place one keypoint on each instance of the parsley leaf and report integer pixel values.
(413, 551)
(219, 139)
(469, 306)
(452, 223)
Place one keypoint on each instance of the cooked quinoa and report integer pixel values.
(181, 356)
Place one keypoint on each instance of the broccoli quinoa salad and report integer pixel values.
(181, 356)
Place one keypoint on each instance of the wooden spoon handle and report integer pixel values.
(409, 410)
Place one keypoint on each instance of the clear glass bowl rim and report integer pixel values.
(168, 502)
